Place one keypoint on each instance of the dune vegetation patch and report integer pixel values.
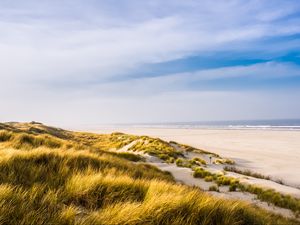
(156, 147)
(246, 172)
(267, 195)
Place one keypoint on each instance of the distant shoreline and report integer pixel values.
(280, 124)
(241, 128)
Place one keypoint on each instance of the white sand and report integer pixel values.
(275, 153)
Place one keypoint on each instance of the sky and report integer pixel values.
(75, 62)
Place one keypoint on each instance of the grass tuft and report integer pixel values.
(246, 172)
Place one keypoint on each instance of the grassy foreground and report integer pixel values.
(53, 176)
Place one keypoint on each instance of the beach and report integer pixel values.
(270, 152)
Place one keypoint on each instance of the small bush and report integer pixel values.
(183, 163)
(170, 160)
(233, 187)
(223, 180)
(224, 161)
(201, 173)
(208, 178)
(229, 161)
(164, 157)
(213, 188)
(198, 161)
(179, 162)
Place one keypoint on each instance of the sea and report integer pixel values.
(278, 124)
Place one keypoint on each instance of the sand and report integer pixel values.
(270, 152)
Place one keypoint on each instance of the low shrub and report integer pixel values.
(224, 161)
(208, 178)
(201, 173)
(163, 157)
(179, 162)
(213, 188)
(183, 163)
(198, 161)
(170, 160)
(233, 187)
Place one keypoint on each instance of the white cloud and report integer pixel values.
(44, 48)
(155, 86)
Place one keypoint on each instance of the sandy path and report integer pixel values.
(184, 175)
(275, 153)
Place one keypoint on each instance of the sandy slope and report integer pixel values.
(185, 176)
(275, 153)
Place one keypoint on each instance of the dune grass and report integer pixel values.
(224, 161)
(5, 135)
(190, 163)
(266, 195)
(213, 188)
(83, 184)
(246, 172)
(271, 196)
(156, 147)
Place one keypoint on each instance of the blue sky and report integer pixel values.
(81, 62)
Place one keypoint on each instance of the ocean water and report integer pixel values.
(280, 124)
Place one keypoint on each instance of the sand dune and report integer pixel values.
(274, 153)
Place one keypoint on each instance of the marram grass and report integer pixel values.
(78, 182)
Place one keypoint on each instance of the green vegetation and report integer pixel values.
(192, 163)
(233, 186)
(224, 161)
(213, 188)
(208, 178)
(156, 147)
(107, 142)
(198, 161)
(225, 180)
(246, 172)
(271, 196)
(52, 176)
(199, 172)
(219, 179)
(267, 195)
